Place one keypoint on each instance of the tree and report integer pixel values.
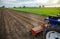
(23, 6)
(39, 6)
(19, 7)
(42, 5)
(3, 6)
(14, 7)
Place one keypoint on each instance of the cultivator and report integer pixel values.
(51, 29)
(38, 29)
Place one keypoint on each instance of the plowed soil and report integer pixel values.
(16, 25)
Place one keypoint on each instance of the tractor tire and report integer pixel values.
(51, 34)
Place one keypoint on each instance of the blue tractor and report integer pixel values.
(53, 30)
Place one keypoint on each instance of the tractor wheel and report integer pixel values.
(52, 34)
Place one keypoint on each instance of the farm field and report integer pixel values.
(16, 25)
(40, 11)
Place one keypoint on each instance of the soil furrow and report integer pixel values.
(16, 25)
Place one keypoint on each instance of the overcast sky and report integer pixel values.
(29, 3)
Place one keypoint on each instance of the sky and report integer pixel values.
(29, 3)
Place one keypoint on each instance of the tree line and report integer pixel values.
(41, 6)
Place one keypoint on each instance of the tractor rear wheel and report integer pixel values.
(52, 34)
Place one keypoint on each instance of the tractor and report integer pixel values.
(51, 29)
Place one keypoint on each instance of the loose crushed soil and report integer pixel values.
(16, 25)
